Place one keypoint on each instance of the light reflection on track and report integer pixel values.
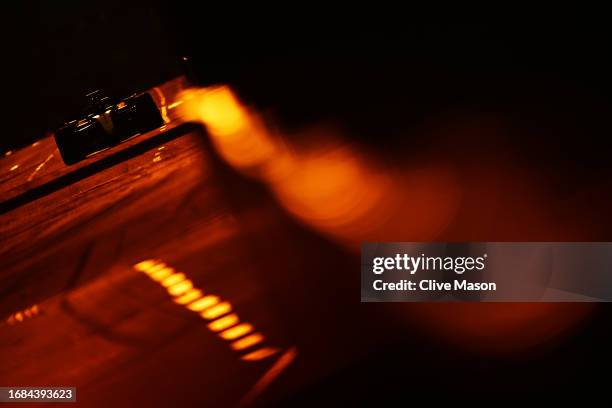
(114, 335)
(210, 307)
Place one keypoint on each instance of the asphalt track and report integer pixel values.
(71, 235)
(74, 311)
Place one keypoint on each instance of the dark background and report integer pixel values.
(552, 81)
(361, 73)
(56, 52)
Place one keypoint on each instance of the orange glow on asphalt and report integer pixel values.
(22, 315)
(224, 322)
(40, 166)
(148, 266)
(180, 288)
(217, 311)
(161, 274)
(236, 331)
(210, 307)
(189, 297)
(173, 279)
(337, 189)
(202, 304)
(247, 341)
(260, 354)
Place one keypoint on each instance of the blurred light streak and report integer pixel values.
(155, 268)
(239, 136)
(189, 297)
(40, 166)
(162, 274)
(336, 188)
(22, 315)
(247, 341)
(162, 104)
(281, 364)
(236, 331)
(175, 104)
(203, 303)
(332, 187)
(180, 288)
(210, 307)
(15, 167)
(260, 354)
(148, 266)
(224, 322)
(173, 279)
(217, 311)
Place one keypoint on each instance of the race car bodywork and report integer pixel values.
(106, 124)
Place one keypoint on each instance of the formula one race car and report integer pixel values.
(106, 123)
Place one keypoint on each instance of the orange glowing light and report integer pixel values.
(40, 166)
(161, 274)
(239, 136)
(180, 288)
(189, 297)
(260, 354)
(173, 279)
(221, 111)
(224, 322)
(334, 189)
(210, 307)
(147, 265)
(162, 104)
(236, 331)
(336, 192)
(247, 341)
(217, 311)
(175, 104)
(22, 315)
(204, 303)
(156, 267)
